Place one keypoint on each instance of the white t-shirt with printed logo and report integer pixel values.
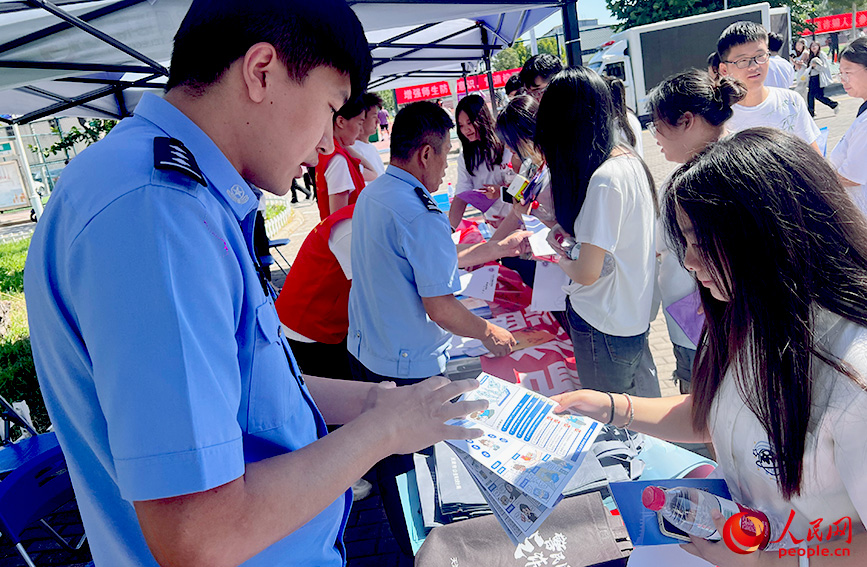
(782, 109)
(835, 456)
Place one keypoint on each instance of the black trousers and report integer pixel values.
(816, 92)
(388, 469)
(320, 359)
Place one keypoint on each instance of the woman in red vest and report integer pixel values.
(338, 175)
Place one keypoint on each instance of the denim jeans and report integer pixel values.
(683, 372)
(605, 362)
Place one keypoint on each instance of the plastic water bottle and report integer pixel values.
(450, 191)
(689, 509)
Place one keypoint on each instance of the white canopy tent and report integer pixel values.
(95, 58)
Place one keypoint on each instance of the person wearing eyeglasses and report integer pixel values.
(537, 72)
(849, 157)
(744, 55)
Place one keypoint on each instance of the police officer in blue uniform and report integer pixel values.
(190, 434)
(402, 308)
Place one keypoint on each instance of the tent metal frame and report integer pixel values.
(154, 70)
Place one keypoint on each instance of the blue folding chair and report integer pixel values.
(36, 488)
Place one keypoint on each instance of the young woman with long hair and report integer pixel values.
(849, 157)
(604, 200)
(780, 251)
(483, 163)
(820, 76)
(689, 112)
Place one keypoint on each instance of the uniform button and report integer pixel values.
(403, 354)
(357, 334)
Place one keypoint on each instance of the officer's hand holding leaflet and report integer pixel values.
(413, 417)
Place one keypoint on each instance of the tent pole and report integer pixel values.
(35, 199)
(487, 58)
(571, 35)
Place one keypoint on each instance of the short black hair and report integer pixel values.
(371, 100)
(739, 33)
(775, 42)
(713, 61)
(216, 33)
(543, 65)
(514, 84)
(416, 125)
(351, 109)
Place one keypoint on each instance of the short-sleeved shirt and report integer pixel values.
(337, 176)
(834, 458)
(401, 251)
(618, 216)
(157, 347)
(371, 154)
(849, 158)
(781, 73)
(782, 109)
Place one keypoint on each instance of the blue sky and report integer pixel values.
(587, 10)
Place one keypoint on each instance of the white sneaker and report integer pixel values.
(361, 490)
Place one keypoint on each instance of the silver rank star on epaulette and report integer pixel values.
(170, 153)
(426, 200)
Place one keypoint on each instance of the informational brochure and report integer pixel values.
(532, 451)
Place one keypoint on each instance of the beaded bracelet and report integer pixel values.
(611, 415)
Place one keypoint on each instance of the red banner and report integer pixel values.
(840, 22)
(423, 92)
(480, 82)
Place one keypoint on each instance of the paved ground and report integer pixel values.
(368, 538)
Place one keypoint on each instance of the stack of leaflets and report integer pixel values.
(527, 455)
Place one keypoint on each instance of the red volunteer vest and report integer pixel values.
(314, 300)
(322, 185)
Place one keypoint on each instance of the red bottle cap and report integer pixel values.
(653, 498)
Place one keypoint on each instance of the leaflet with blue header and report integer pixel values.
(525, 442)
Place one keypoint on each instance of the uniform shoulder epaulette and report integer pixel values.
(170, 153)
(426, 200)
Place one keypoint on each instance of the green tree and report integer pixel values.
(633, 13)
(92, 131)
(387, 97)
(515, 56)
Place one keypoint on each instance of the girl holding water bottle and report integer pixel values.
(780, 251)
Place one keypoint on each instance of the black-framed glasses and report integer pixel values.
(748, 61)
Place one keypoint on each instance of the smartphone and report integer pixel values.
(505, 196)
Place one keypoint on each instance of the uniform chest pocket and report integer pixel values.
(271, 379)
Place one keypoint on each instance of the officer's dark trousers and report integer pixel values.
(388, 469)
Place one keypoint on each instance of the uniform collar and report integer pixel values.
(405, 176)
(221, 175)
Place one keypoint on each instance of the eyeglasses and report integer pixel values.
(749, 61)
(845, 76)
(651, 127)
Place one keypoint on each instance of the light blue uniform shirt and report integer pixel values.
(401, 251)
(158, 352)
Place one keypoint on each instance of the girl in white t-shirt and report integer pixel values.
(482, 165)
(849, 157)
(781, 371)
(603, 200)
(689, 112)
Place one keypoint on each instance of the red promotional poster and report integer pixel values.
(838, 22)
(480, 82)
(547, 368)
(423, 92)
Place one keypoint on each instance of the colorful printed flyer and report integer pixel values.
(525, 443)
